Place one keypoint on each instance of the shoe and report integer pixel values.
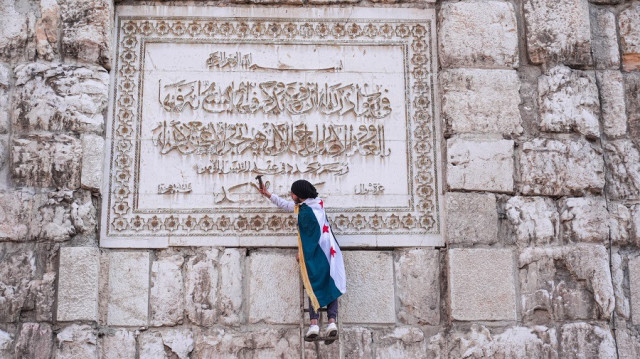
(331, 333)
(312, 333)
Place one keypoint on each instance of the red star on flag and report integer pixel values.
(333, 251)
(325, 229)
(321, 204)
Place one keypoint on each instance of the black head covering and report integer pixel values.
(304, 189)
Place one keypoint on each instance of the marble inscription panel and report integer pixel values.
(206, 99)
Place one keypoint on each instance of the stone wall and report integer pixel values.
(540, 105)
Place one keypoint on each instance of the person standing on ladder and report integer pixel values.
(320, 258)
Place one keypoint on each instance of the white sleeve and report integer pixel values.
(284, 204)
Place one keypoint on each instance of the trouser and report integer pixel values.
(332, 310)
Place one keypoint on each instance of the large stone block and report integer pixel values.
(482, 284)
(480, 165)
(512, 343)
(614, 116)
(417, 274)
(120, 344)
(568, 102)
(474, 34)
(561, 168)
(623, 307)
(535, 220)
(620, 225)
(92, 157)
(128, 288)
(6, 342)
(585, 220)
(558, 31)
(167, 291)
(274, 288)
(583, 340)
(15, 215)
(370, 293)
(173, 343)
(86, 30)
(628, 23)
(481, 101)
(566, 283)
(77, 341)
(58, 97)
(231, 274)
(35, 341)
(27, 276)
(78, 283)
(18, 20)
(201, 283)
(604, 39)
(632, 102)
(623, 170)
(634, 289)
(471, 218)
(400, 342)
(260, 343)
(46, 160)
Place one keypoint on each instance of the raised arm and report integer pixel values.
(282, 203)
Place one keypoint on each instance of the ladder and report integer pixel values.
(322, 315)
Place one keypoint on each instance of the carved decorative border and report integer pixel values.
(132, 32)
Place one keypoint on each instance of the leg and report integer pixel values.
(313, 315)
(332, 311)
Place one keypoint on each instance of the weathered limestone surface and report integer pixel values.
(370, 293)
(35, 341)
(604, 39)
(27, 277)
(634, 287)
(623, 310)
(166, 296)
(558, 30)
(481, 101)
(47, 30)
(172, 343)
(535, 220)
(16, 30)
(120, 344)
(76, 341)
(472, 218)
(6, 343)
(5, 78)
(201, 287)
(262, 343)
(480, 165)
(86, 30)
(274, 288)
(231, 273)
(584, 269)
(568, 102)
(59, 97)
(628, 23)
(513, 343)
(620, 225)
(78, 283)
(417, 276)
(128, 288)
(92, 157)
(15, 215)
(623, 169)
(481, 284)
(46, 160)
(583, 340)
(614, 117)
(561, 167)
(585, 220)
(474, 34)
(401, 342)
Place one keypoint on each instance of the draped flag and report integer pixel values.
(321, 264)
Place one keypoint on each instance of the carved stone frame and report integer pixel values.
(413, 29)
